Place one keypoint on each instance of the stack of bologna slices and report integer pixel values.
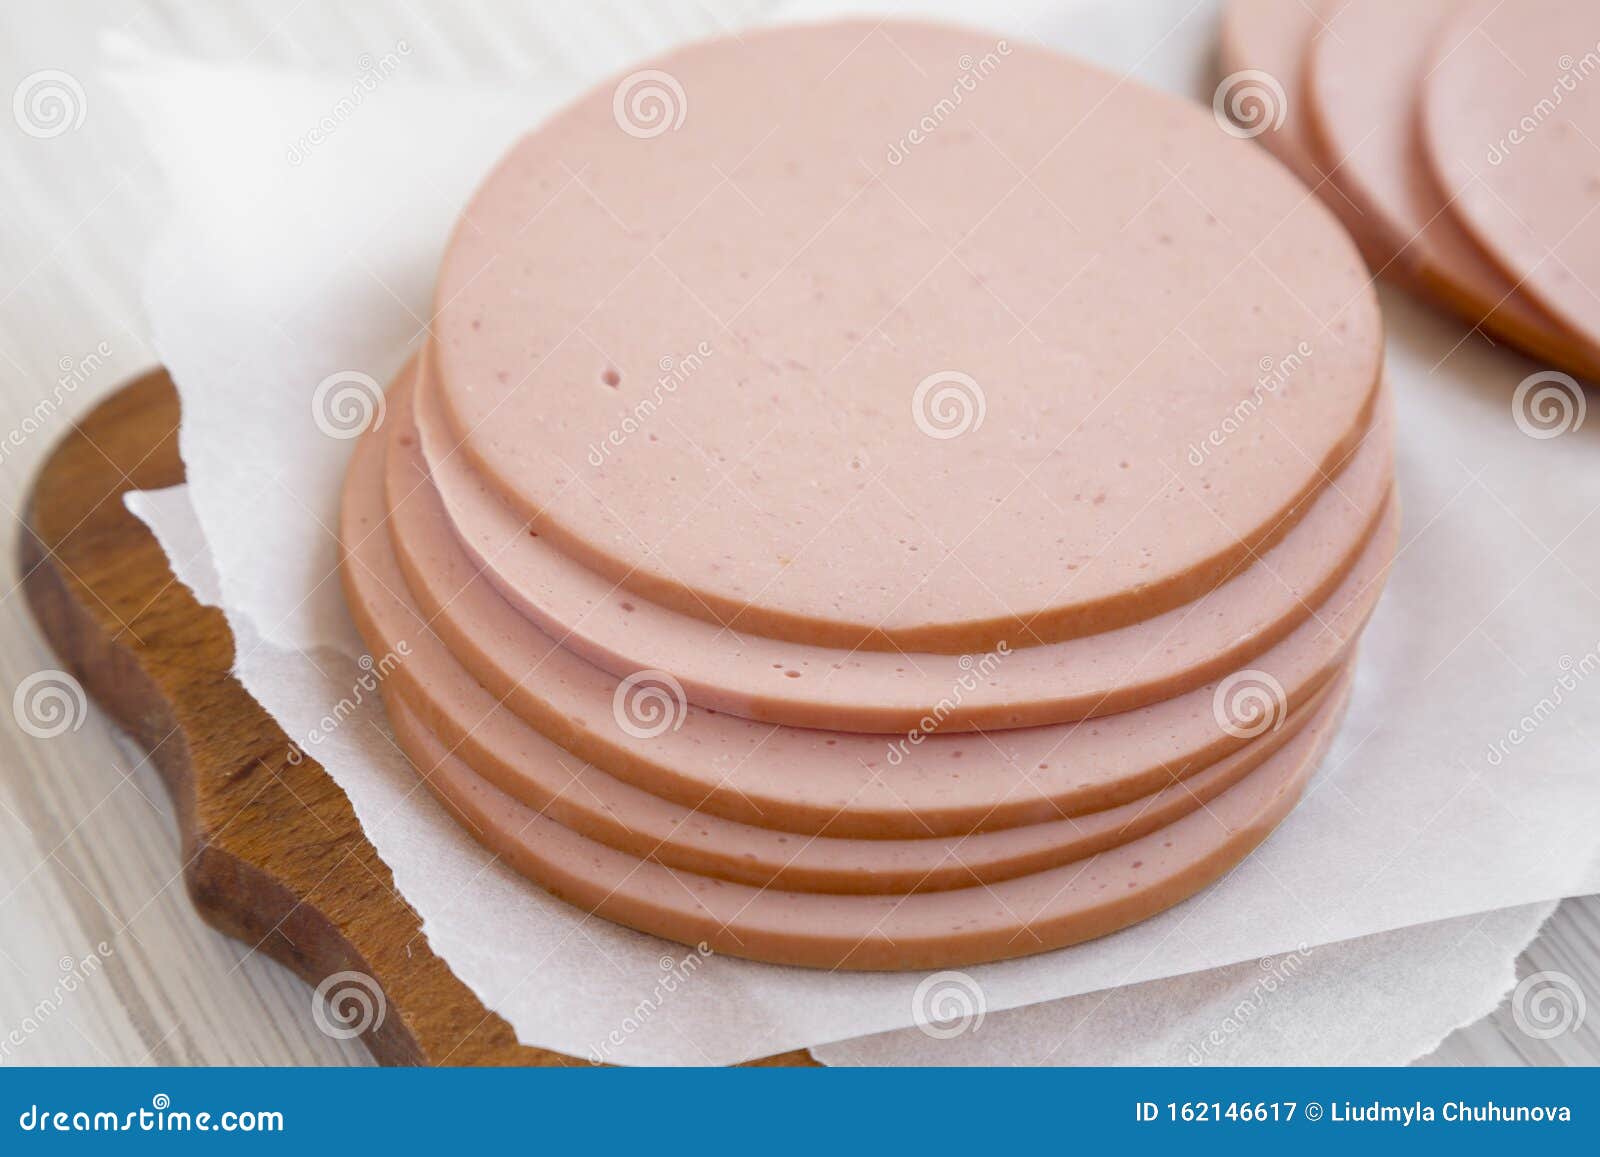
(1459, 140)
(878, 497)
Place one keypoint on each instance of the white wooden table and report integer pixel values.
(88, 846)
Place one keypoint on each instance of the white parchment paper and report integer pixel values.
(1465, 779)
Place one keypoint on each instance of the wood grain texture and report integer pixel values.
(272, 852)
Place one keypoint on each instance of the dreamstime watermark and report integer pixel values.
(1570, 74)
(973, 672)
(948, 1004)
(675, 973)
(649, 703)
(1548, 404)
(160, 1117)
(49, 703)
(1249, 703)
(48, 103)
(1275, 372)
(1548, 1004)
(1573, 673)
(648, 103)
(674, 373)
(373, 673)
(347, 404)
(75, 973)
(373, 72)
(74, 372)
(1249, 103)
(1276, 971)
(347, 1004)
(972, 73)
(948, 404)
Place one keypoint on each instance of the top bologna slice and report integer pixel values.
(855, 346)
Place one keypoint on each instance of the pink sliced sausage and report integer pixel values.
(1366, 73)
(518, 760)
(844, 519)
(1010, 918)
(895, 364)
(817, 782)
(1271, 37)
(811, 686)
(1511, 120)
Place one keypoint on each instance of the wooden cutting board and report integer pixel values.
(273, 854)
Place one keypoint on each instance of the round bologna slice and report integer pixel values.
(520, 761)
(1262, 57)
(817, 782)
(806, 365)
(1511, 115)
(1262, 54)
(808, 686)
(1365, 72)
(1016, 917)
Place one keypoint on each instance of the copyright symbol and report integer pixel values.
(1314, 1111)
